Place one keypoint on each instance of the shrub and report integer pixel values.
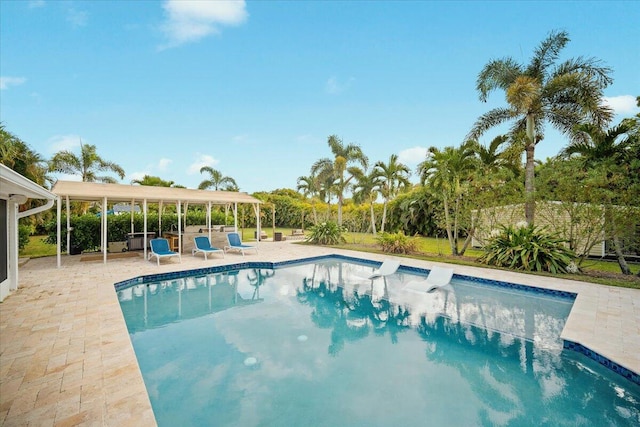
(327, 233)
(24, 231)
(396, 243)
(528, 248)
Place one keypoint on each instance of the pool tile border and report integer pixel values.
(611, 365)
(567, 344)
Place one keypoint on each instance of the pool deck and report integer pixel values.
(66, 358)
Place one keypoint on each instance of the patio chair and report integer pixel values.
(204, 245)
(160, 249)
(438, 277)
(388, 267)
(235, 244)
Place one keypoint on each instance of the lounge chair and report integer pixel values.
(235, 244)
(204, 245)
(388, 267)
(160, 249)
(438, 277)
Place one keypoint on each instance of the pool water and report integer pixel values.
(318, 344)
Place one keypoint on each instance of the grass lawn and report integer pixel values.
(429, 249)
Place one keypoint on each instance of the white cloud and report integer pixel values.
(137, 176)
(77, 18)
(5, 82)
(412, 156)
(190, 20)
(64, 142)
(201, 160)
(163, 164)
(34, 4)
(624, 104)
(334, 87)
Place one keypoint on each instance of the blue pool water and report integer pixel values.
(317, 344)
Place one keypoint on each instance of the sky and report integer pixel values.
(254, 89)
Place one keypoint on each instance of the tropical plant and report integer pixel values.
(217, 180)
(564, 95)
(365, 190)
(415, 212)
(310, 187)
(394, 177)
(610, 158)
(326, 233)
(397, 243)
(337, 170)
(153, 181)
(87, 165)
(527, 248)
(447, 173)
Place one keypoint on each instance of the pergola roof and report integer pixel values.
(93, 191)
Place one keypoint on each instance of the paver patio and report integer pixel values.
(66, 358)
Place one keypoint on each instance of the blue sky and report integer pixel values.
(254, 89)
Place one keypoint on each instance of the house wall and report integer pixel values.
(4, 249)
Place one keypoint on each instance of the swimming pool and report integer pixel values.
(315, 343)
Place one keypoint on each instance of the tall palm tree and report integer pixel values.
(217, 181)
(446, 172)
(394, 177)
(564, 95)
(87, 165)
(338, 168)
(366, 189)
(310, 188)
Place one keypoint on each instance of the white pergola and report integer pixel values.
(68, 191)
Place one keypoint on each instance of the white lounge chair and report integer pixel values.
(235, 244)
(160, 249)
(203, 245)
(438, 277)
(388, 267)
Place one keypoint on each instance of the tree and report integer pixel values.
(447, 173)
(366, 189)
(394, 177)
(564, 95)
(217, 181)
(309, 186)
(337, 169)
(610, 157)
(16, 155)
(87, 165)
(153, 181)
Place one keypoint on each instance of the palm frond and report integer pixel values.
(492, 118)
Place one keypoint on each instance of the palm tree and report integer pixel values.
(564, 95)
(153, 181)
(447, 173)
(310, 188)
(366, 189)
(87, 165)
(496, 156)
(612, 151)
(394, 177)
(218, 181)
(16, 155)
(337, 169)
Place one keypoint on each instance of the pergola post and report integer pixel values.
(144, 216)
(67, 206)
(104, 230)
(58, 231)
